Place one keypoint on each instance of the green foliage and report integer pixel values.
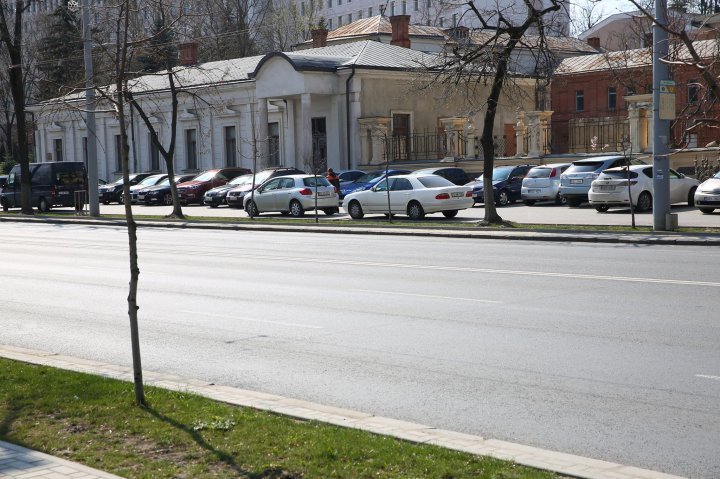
(60, 54)
(7, 163)
(161, 53)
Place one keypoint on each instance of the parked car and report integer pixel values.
(611, 188)
(112, 192)
(346, 176)
(216, 196)
(456, 176)
(235, 197)
(151, 180)
(367, 181)
(161, 193)
(575, 182)
(294, 195)
(194, 190)
(51, 184)
(507, 184)
(542, 183)
(414, 195)
(707, 196)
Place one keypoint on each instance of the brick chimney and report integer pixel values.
(188, 53)
(594, 42)
(400, 26)
(319, 37)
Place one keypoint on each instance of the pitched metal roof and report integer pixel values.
(380, 25)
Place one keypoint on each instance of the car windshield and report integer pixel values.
(585, 167)
(539, 173)
(434, 181)
(368, 177)
(717, 175)
(241, 180)
(320, 181)
(207, 176)
(117, 181)
(617, 174)
(149, 181)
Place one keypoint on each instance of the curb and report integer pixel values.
(562, 463)
(669, 238)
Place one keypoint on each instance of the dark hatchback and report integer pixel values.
(456, 176)
(161, 193)
(216, 196)
(507, 184)
(194, 190)
(112, 192)
(235, 197)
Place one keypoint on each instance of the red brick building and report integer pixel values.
(599, 100)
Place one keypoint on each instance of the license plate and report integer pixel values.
(607, 188)
(533, 191)
(576, 182)
(141, 197)
(712, 198)
(457, 194)
(64, 192)
(323, 193)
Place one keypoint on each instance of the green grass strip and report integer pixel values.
(92, 420)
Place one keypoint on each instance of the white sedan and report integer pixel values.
(611, 188)
(707, 196)
(293, 194)
(413, 195)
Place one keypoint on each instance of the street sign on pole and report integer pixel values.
(667, 100)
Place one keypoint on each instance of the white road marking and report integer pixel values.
(454, 298)
(705, 376)
(375, 264)
(253, 320)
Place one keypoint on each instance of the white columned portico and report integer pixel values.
(261, 134)
(641, 130)
(305, 130)
(373, 133)
(538, 132)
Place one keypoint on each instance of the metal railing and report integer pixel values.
(424, 146)
(595, 135)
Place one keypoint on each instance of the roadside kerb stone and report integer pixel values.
(563, 463)
(680, 239)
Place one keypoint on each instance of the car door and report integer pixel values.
(375, 199)
(265, 195)
(514, 184)
(678, 188)
(284, 194)
(400, 193)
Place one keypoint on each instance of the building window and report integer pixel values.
(230, 146)
(429, 3)
(329, 3)
(191, 149)
(349, 17)
(442, 21)
(302, 8)
(339, 2)
(693, 89)
(630, 90)
(612, 98)
(58, 149)
(454, 24)
(359, 14)
(118, 153)
(404, 7)
(340, 21)
(274, 143)
(154, 152)
(330, 23)
(392, 9)
(579, 100)
(416, 5)
(370, 12)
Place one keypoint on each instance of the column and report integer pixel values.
(261, 134)
(453, 128)
(305, 132)
(520, 132)
(538, 132)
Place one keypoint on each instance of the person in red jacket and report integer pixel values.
(333, 179)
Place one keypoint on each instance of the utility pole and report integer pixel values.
(92, 165)
(662, 89)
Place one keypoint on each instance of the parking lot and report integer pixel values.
(541, 213)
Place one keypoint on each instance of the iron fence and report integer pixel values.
(590, 135)
(425, 146)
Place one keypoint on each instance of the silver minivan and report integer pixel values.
(575, 182)
(542, 183)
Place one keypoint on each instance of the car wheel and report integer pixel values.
(560, 200)
(43, 205)
(296, 209)
(121, 199)
(167, 199)
(706, 211)
(573, 203)
(355, 210)
(529, 202)
(4, 204)
(106, 202)
(502, 198)
(213, 205)
(330, 211)
(415, 211)
(644, 202)
(691, 196)
(450, 213)
(602, 208)
(251, 209)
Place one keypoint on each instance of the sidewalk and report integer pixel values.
(469, 232)
(13, 459)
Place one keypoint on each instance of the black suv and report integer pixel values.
(507, 184)
(236, 196)
(455, 175)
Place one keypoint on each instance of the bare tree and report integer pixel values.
(586, 14)
(286, 24)
(231, 28)
(490, 62)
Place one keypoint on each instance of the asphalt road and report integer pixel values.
(606, 351)
(542, 213)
